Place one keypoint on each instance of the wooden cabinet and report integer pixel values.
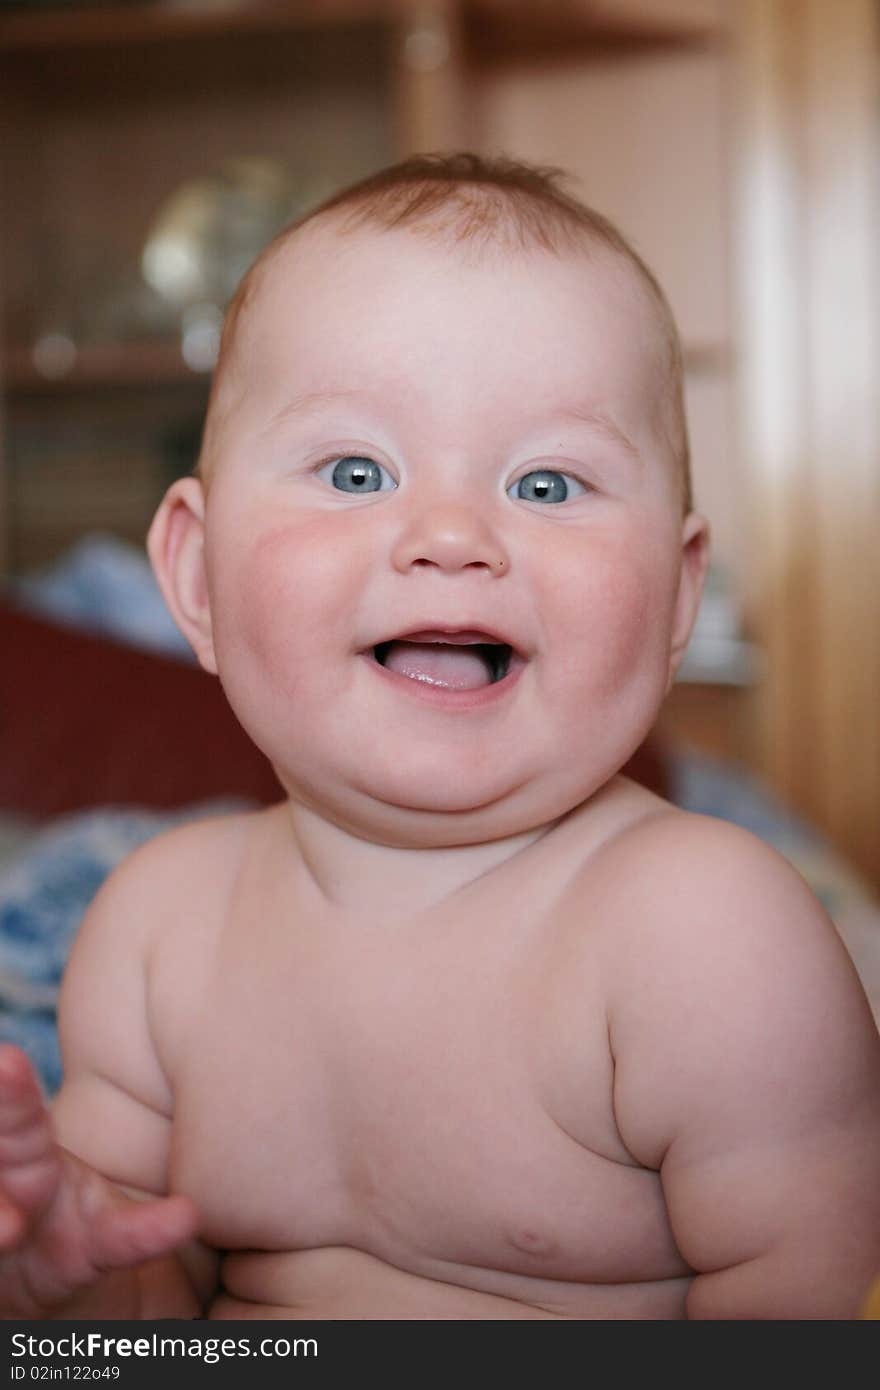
(106, 111)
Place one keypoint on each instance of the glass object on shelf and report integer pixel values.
(202, 240)
(99, 301)
(200, 329)
(209, 232)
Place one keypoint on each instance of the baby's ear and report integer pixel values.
(176, 546)
(694, 564)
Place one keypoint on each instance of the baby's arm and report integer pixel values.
(748, 1072)
(85, 1229)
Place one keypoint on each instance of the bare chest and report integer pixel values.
(438, 1098)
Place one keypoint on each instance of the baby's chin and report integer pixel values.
(420, 820)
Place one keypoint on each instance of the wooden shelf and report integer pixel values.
(157, 21)
(102, 367)
(504, 32)
(494, 30)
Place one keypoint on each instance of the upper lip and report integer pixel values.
(456, 635)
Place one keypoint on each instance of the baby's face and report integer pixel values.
(419, 451)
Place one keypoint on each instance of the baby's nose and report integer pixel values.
(452, 537)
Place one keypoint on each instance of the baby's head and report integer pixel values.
(448, 407)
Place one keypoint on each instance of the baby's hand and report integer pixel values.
(62, 1225)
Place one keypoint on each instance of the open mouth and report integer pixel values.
(457, 661)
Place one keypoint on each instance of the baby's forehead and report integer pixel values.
(326, 250)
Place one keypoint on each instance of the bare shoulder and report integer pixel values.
(707, 878)
(688, 869)
(196, 857)
(699, 898)
(724, 971)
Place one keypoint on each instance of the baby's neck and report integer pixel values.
(350, 873)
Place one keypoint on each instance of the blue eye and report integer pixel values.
(546, 485)
(355, 474)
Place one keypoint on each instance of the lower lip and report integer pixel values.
(444, 696)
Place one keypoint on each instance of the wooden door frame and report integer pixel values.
(809, 381)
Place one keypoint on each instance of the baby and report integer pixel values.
(469, 1026)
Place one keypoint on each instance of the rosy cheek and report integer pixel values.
(617, 612)
(284, 597)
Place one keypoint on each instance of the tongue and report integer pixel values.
(461, 668)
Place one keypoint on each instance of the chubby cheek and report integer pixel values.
(613, 621)
(272, 613)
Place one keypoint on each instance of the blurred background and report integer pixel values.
(149, 148)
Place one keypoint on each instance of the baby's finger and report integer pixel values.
(20, 1097)
(28, 1141)
(29, 1166)
(128, 1234)
(12, 1225)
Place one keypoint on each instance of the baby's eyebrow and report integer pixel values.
(306, 401)
(601, 424)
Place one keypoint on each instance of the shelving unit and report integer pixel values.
(104, 113)
(105, 110)
(495, 30)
